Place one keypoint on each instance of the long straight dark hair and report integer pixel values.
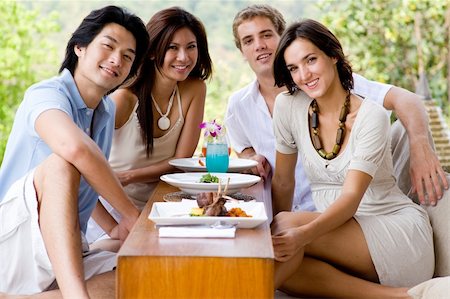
(161, 28)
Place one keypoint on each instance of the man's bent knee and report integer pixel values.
(55, 171)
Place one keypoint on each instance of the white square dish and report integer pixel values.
(177, 213)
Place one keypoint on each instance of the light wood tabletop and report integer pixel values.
(153, 267)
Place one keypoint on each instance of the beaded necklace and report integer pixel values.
(340, 134)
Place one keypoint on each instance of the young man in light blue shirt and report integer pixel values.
(55, 164)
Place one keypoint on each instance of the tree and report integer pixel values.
(26, 57)
(381, 39)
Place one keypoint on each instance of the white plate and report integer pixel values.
(177, 213)
(192, 164)
(189, 182)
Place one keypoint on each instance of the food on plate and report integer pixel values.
(209, 178)
(201, 162)
(237, 212)
(204, 199)
(196, 212)
(213, 204)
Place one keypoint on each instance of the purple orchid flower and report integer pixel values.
(212, 129)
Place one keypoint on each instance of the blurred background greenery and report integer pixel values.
(386, 40)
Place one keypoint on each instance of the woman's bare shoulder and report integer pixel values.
(192, 86)
(125, 101)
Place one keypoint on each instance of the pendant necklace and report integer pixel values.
(340, 134)
(164, 121)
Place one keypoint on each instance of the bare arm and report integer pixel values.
(425, 169)
(283, 182)
(73, 145)
(341, 211)
(355, 185)
(105, 220)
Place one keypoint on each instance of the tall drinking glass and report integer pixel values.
(217, 158)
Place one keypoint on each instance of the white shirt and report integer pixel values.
(249, 124)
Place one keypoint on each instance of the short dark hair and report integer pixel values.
(258, 10)
(323, 39)
(91, 26)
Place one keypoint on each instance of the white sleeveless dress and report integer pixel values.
(129, 152)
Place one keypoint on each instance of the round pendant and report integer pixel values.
(164, 123)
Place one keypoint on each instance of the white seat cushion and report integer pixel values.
(436, 288)
(440, 221)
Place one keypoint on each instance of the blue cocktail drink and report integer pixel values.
(217, 158)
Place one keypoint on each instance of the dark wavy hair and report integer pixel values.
(91, 26)
(323, 39)
(161, 29)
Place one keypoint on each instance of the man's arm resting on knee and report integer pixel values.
(427, 175)
(73, 145)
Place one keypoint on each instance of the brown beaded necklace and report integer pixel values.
(314, 123)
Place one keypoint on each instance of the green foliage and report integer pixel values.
(25, 58)
(380, 39)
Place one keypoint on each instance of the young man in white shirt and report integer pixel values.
(257, 30)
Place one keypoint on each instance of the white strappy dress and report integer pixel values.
(129, 152)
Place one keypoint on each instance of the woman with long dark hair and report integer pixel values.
(158, 115)
(367, 239)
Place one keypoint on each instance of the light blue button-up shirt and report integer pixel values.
(25, 149)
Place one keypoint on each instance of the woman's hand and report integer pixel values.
(288, 243)
(125, 177)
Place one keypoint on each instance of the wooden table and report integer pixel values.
(152, 267)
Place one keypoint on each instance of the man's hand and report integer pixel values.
(124, 228)
(262, 169)
(428, 179)
(115, 233)
(126, 224)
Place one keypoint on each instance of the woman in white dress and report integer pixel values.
(367, 238)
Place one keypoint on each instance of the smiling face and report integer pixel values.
(106, 62)
(311, 69)
(181, 55)
(259, 40)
